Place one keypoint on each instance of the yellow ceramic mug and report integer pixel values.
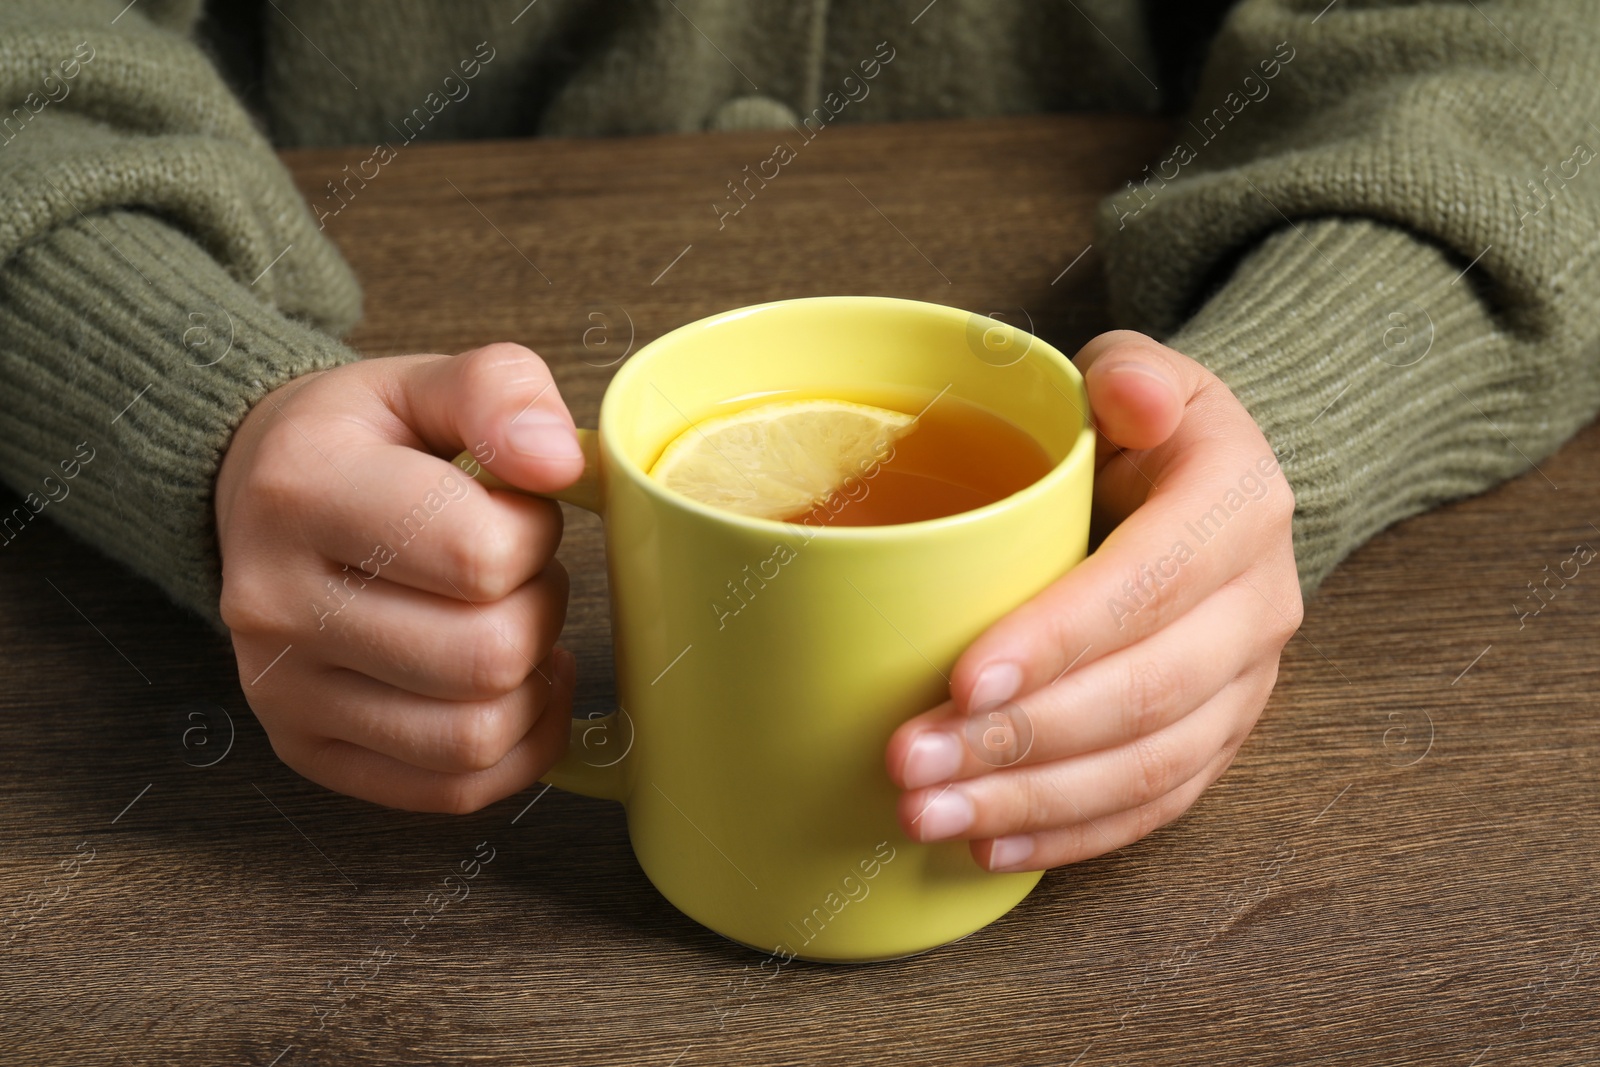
(749, 748)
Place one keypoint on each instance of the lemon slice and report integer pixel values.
(776, 460)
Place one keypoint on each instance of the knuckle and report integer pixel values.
(1281, 502)
(1145, 821)
(1071, 844)
(1149, 689)
(290, 750)
(1158, 602)
(462, 794)
(1289, 612)
(1269, 679)
(277, 477)
(310, 756)
(1093, 840)
(245, 603)
(1149, 818)
(1153, 767)
(478, 738)
(1034, 806)
(495, 665)
(1294, 611)
(1065, 627)
(485, 564)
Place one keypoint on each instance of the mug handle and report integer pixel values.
(588, 768)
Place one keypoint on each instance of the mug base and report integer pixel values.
(846, 961)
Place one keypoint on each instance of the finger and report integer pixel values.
(1140, 391)
(369, 775)
(500, 402)
(1047, 796)
(1131, 693)
(420, 521)
(1124, 482)
(1137, 387)
(443, 647)
(1085, 840)
(1204, 525)
(453, 737)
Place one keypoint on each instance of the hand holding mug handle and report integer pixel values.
(583, 493)
(595, 761)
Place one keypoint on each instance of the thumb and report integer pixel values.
(500, 402)
(1137, 387)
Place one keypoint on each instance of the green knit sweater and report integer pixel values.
(1375, 224)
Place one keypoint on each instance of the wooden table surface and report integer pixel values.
(1400, 868)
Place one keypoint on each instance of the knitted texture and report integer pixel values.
(125, 336)
(1434, 331)
(586, 67)
(1355, 184)
(1382, 379)
(146, 230)
(143, 120)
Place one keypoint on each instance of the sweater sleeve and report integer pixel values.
(1375, 226)
(159, 273)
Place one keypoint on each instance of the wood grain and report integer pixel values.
(1398, 869)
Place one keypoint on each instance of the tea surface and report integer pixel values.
(957, 457)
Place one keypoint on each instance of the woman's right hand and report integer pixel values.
(393, 619)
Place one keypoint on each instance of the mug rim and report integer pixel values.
(1081, 452)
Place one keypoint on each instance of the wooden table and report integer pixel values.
(1400, 867)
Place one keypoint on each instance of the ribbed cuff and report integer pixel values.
(1373, 373)
(121, 338)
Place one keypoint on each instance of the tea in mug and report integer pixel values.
(826, 461)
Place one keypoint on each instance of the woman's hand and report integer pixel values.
(1142, 670)
(394, 620)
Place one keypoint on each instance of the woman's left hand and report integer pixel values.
(1141, 671)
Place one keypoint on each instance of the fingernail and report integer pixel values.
(946, 815)
(934, 757)
(542, 435)
(997, 683)
(1010, 851)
